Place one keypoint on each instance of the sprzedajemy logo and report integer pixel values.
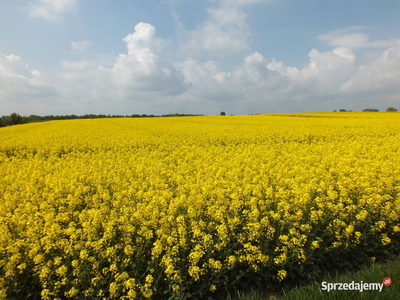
(356, 286)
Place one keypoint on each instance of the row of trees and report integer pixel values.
(15, 118)
(370, 109)
(12, 119)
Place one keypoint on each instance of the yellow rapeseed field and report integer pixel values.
(189, 207)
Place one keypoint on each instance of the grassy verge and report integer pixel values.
(370, 274)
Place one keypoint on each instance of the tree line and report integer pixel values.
(15, 118)
(369, 109)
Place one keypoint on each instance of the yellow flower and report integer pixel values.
(175, 287)
(349, 229)
(113, 289)
(385, 239)
(213, 288)
(72, 292)
(315, 245)
(144, 203)
(46, 294)
(282, 274)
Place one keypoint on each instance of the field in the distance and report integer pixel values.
(192, 207)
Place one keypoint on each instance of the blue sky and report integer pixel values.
(202, 57)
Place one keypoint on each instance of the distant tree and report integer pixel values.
(6, 121)
(16, 119)
(342, 109)
(26, 120)
(370, 109)
(391, 109)
(222, 113)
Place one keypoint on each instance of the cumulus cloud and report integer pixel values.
(325, 72)
(380, 74)
(207, 81)
(346, 37)
(145, 67)
(51, 10)
(81, 46)
(14, 73)
(20, 85)
(263, 85)
(79, 66)
(144, 79)
(136, 79)
(143, 73)
(225, 32)
(251, 84)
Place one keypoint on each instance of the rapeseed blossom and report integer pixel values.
(138, 208)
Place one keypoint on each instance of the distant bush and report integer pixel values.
(16, 119)
(13, 119)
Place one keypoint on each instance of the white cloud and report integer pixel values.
(144, 39)
(325, 72)
(380, 74)
(144, 73)
(146, 66)
(263, 85)
(145, 80)
(51, 10)
(81, 46)
(251, 83)
(256, 76)
(224, 33)
(207, 81)
(345, 37)
(79, 66)
(144, 77)
(21, 87)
